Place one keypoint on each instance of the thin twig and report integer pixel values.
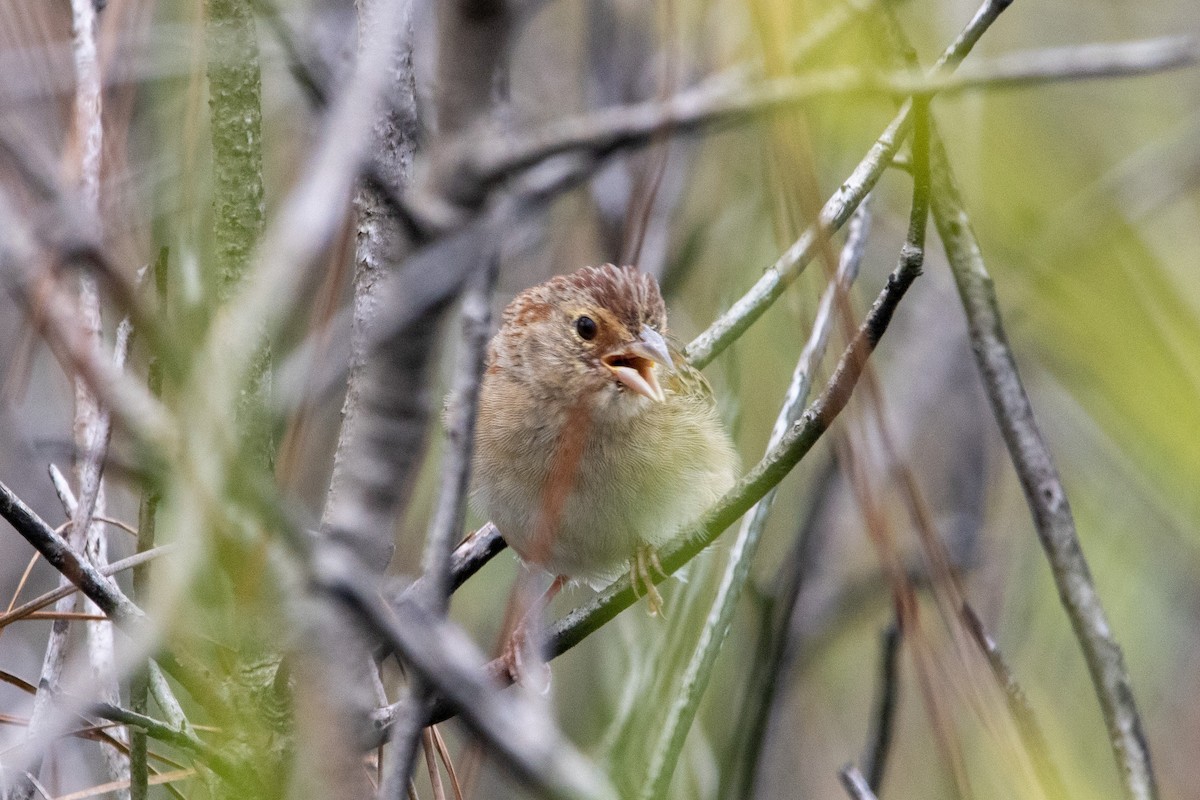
(836, 211)
(884, 716)
(63, 558)
(489, 159)
(25, 609)
(184, 739)
(450, 512)
(1018, 705)
(855, 784)
(98, 588)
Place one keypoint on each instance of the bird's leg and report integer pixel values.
(645, 559)
(516, 646)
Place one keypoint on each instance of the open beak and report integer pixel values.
(635, 364)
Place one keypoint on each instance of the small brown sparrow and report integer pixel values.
(596, 441)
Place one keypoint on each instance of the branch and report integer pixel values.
(517, 729)
(100, 590)
(183, 738)
(1041, 483)
(119, 608)
(885, 708)
(855, 784)
(1018, 705)
(489, 158)
(25, 609)
(837, 210)
(450, 510)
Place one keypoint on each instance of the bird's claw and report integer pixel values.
(516, 661)
(645, 560)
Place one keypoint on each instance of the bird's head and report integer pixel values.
(596, 334)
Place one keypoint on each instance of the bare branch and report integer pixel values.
(1018, 705)
(490, 158)
(25, 609)
(855, 784)
(884, 717)
(518, 731)
(63, 558)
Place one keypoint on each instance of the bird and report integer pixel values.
(596, 441)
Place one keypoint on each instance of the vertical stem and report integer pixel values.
(235, 105)
(235, 110)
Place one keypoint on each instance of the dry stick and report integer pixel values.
(365, 480)
(484, 159)
(518, 730)
(884, 717)
(105, 594)
(89, 425)
(25, 609)
(855, 784)
(89, 476)
(158, 686)
(1018, 704)
(1041, 483)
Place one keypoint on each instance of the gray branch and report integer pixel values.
(518, 730)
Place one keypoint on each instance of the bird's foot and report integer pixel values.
(642, 580)
(522, 662)
(522, 647)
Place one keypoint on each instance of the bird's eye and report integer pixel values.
(586, 328)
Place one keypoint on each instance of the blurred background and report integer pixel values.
(1085, 197)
